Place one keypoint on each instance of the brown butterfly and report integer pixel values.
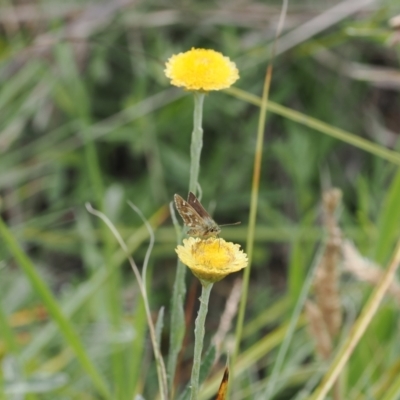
(195, 217)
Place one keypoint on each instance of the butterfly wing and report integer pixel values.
(195, 203)
(190, 216)
(210, 227)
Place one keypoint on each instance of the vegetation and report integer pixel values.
(89, 119)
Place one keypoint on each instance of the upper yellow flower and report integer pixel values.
(201, 69)
(212, 259)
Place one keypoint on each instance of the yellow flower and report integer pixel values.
(212, 259)
(201, 69)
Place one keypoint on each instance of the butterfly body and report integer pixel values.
(195, 217)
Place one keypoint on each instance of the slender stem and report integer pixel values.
(199, 338)
(253, 212)
(177, 332)
(197, 141)
(255, 187)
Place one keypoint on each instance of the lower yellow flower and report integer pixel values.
(212, 259)
(201, 69)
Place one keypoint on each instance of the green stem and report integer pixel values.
(199, 338)
(197, 141)
(177, 332)
(64, 324)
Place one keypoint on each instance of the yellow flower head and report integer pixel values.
(201, 69)
(212, 259)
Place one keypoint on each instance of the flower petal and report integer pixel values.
(201, 69)
(212, 259)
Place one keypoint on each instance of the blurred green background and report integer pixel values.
(87, 115)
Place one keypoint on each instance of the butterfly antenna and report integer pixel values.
(235, 223)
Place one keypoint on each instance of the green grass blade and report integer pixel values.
(320, 126)
(137, 347)
(389, 221)
(292, 325)
(54, 309)
(90, 287)
(160, 325)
